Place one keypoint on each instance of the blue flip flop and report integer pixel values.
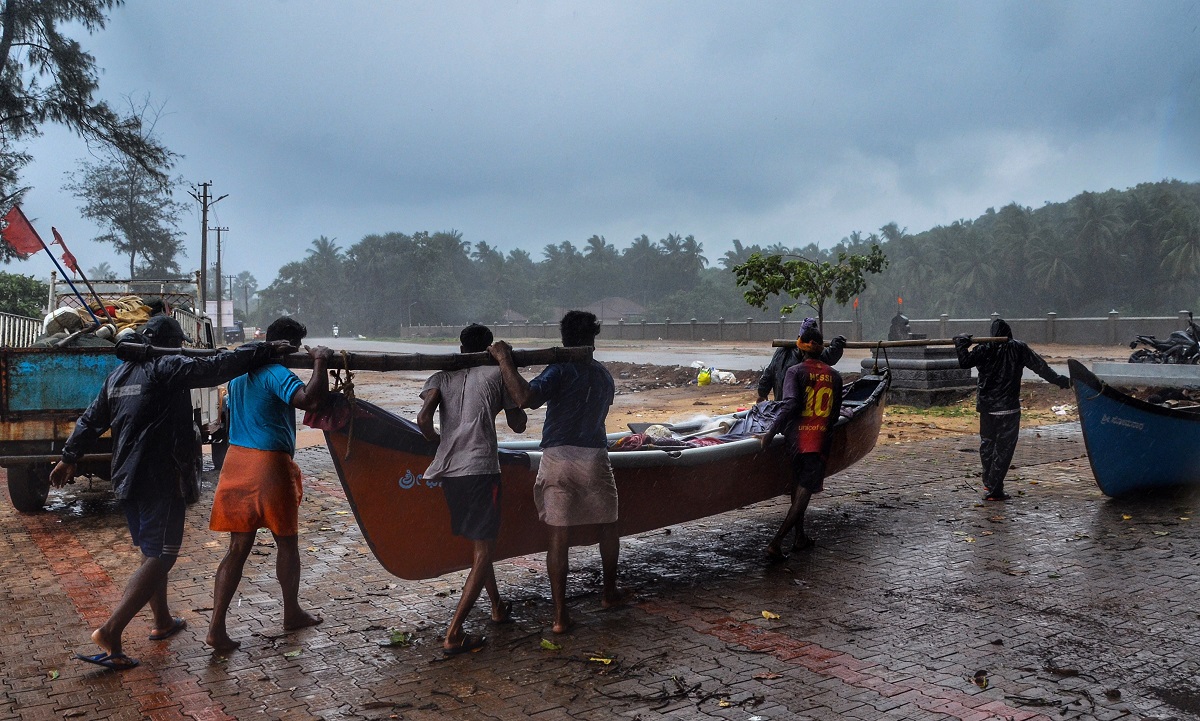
(111, 661)
(177, 625)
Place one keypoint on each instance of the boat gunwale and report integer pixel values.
(1081, 373)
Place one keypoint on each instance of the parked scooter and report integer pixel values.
(1182, 346)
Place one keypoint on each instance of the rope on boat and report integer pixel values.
(346, 387)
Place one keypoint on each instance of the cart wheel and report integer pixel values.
(219, 449)
(28, 487)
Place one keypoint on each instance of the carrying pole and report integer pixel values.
(345, 360)
(785, 343)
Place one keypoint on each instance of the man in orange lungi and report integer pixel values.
(260, 483)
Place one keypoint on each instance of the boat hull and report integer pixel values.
(406, 523)
(1133, 445)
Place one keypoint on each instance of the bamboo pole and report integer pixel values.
(444, 362)
(356, 361)
(785, 343)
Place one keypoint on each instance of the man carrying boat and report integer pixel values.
(260, 483)
(999, 398)
(812, 401)
(467, 465)
(575, 484)
(773, 375)
(147, 404)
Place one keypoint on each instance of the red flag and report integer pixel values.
(68, 259)
(20, 235)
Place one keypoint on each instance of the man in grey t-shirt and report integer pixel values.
(468, 467)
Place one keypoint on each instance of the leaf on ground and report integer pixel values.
(397, 638)
(724, 703)
(1162, 533)
(53, 674)
(293, 654)
(312, 549)
(1126, 517)
(770, 616)
(601, 659)
(342, 513)
(550, 645)
(767, 676)
(969, 539)
(1052, 574)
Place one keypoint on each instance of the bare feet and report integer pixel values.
(502, 612)
(616, 598)
(774, 555)
(303, 619)
(110, 646)
(803, 543)
(563, 625)
(221, 642)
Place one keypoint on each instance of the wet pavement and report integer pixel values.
(918, 602)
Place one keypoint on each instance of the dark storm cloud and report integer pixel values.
(531, 123)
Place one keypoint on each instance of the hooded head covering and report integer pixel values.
(1000, 329)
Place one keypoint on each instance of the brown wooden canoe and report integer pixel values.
(407, 525)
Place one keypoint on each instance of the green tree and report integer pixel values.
(245, 285)
(46, 77)
(103, 271)
(805, 281)
(22, 295)
(133, 205)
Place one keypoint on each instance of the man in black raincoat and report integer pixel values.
(999, 399)
(773, 375)
(146, 402)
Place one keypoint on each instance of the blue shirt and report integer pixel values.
(261, 415)
(579, 395)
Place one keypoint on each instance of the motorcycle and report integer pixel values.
(1181, 347)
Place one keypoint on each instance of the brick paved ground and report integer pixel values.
(1072, 606)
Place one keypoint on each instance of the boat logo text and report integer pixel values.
(1123, 422)
(410, 480)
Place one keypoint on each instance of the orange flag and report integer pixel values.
(20, 235)
(67, 257)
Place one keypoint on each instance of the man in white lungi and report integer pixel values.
(575, 485)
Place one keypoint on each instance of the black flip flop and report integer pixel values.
(470, 644)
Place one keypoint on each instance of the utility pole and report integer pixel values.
(230, 279)
(220, 290)
(205, 200)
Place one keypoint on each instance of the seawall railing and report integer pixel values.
(1109, 330)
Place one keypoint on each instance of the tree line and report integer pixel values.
(1135, 251)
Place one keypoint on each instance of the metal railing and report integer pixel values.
(18, 331)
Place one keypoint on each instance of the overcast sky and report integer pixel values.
(528, 123)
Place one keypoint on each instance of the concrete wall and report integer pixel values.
(1110, 330)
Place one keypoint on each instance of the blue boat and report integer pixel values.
(1133, 445)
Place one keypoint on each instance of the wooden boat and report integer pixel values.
(1134, 445)
(380, 459)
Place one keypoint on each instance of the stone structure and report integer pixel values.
(923, 376)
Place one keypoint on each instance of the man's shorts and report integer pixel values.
(474, 503)
(156, 524)
(808, 471)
